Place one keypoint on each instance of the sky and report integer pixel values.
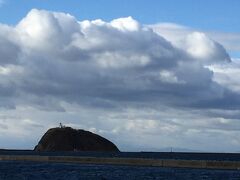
(148, 75)
(209, 15)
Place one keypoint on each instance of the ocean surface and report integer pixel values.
(10, 170)
(63, 171)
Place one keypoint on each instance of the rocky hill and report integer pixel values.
(69, 139)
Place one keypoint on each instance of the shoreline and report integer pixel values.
(199, 164)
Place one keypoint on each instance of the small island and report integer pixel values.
(68, 139)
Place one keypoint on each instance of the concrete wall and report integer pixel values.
(127, 161)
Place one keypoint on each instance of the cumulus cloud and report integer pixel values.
(100, 75)
(197, 44)
(175, 33)
(82, 62)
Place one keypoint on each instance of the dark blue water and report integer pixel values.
(63, 171)
(60, 171)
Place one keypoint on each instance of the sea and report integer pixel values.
(17, 170)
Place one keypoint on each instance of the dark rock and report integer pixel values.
(69, 139)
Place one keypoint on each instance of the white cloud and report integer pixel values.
(197, 44)
(118, 78)
(169, 77)
(125, 24)
(205, 49)
(228, 75)
(175, 33)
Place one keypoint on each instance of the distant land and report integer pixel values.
(176, 149)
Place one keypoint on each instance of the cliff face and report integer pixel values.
(69, 139)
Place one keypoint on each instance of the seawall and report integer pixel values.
(227, 165)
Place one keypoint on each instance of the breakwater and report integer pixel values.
(201, 164)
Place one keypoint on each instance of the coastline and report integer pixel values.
(178, 163)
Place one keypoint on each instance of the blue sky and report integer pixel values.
(221, 15)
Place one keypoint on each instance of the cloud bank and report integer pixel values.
(121, 79)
